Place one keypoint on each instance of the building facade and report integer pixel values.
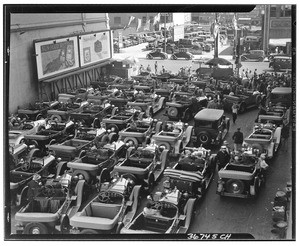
(23, 83)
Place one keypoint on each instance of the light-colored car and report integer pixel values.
(253, 55)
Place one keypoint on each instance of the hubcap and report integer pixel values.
(36, 230)
(203, 138)
(235, 188)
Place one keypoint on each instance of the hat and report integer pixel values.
(223, 147)
(239, 129)
(36, 177)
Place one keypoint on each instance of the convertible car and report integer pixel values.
(265, 138)
(113, 207)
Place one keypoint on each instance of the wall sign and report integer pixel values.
(56, 56)
(94, 48)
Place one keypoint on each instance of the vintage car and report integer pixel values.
(36, 111)
(172, 213)
(16, 153)
(279, 118)
(157, 53)
(182, 53)
(184, 105)
(144, 165)
(88, 113)
(92, 161)
(193, 173)
(140, 131)
(149, 103)
(57, 133)
(210, 127)
(120, 119)
(34, 162)
(113, 207)
(71, 148)
(265, 138)
(280, 63)
(244, 101)
(253, 55)
(240, 178)
(57, 201)
(281, 96)
(165, 89)
(207, 47)
(174, 136)
(64, 109)
(20, 129)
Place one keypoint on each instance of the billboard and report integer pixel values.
(56, 56)
(178, 32)
(94, 48)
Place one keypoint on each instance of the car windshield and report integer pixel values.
(205, 123)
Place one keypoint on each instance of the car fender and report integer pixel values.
(271, 150)
(177, 146)
(277, 135)
(161, 102)
(188, 134)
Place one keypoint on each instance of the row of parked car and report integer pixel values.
(96, 157)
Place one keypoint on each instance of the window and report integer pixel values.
(285, 11)
(117, 20)
(144, 19)
(151, 19)
(273, 11)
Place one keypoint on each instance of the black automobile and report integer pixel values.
(182, 53)
(157, 53)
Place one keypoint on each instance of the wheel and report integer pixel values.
(258, 147)
(132, 141)
(260, 59)
(243, 58)
(174, 57)
(89, 231)
(173, 112)
(35, 228)
(26, 166)
(85, 175)
(39, 117)
(56, 118)
(112, 137)
(235, 186)
(242, 108)
(149, 56)
(165, 145)
(130, 177)
(204, 138)
(113, 127)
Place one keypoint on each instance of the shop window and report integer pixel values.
(144, 19)
(117, 20)
(151, 19)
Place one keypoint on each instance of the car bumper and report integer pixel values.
(223, 193)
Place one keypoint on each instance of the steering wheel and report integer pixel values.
(25, 166)
(103, 197)
(48, 190)
(157, 206)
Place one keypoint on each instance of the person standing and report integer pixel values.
(285, 133)
(149, 68)
(234, 110)
(238, 139)
(155, 67)
(222, 157)
(163, 69)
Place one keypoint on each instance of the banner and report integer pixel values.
(94, 47)
(129, 22)
(139, 24)
(234, 22)
(56, 56)
(156, 19)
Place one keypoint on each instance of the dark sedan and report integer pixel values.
(182, 53)
(158, 53)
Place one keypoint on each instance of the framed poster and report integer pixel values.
(94, 48)
(56, 56)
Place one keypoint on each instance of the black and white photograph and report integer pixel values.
(149, 122)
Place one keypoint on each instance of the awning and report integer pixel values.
(279, 41)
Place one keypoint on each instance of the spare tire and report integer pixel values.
(173, 112)
(235, 186)
(204, 138)
(84, 173)
(35, 228)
